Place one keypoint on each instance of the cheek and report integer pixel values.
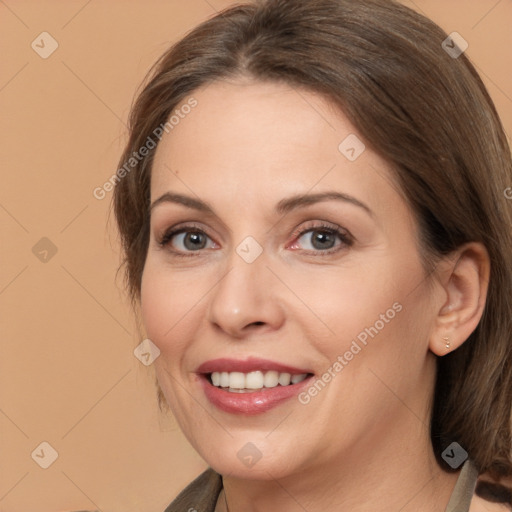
(154, 303)
(167, 306)
(377, 315)
(343, 301)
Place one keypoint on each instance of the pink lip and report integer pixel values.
(251, 403)
(249, 365)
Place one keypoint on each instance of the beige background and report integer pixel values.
(68, 375)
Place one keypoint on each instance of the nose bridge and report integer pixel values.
(245, 294)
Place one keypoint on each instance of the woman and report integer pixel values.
(311, 204)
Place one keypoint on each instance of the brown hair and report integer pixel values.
(424, 111)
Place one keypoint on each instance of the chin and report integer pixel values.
(249, 457)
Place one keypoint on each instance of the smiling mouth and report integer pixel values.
(250, 382)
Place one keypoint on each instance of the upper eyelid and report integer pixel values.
(191, 226)
(200, 226)
(304, 209)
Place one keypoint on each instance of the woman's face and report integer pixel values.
(258, 285)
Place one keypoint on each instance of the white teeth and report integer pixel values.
(254, 380)
(236, 380)
(224, 379)
(284, 379)
(271, 379)
(298, 378)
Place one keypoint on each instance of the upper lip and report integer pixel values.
(247, 365)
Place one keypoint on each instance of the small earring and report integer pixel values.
(447, 340)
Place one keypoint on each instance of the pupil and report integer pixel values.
(324, 237)
(195, 239)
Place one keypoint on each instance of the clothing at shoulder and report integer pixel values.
(201, 494)
(462, 494)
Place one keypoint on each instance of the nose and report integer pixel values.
(246, 299)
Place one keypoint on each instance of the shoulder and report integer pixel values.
(200, 495)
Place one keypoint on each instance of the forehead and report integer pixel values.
(261, 140)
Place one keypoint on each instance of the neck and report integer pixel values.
(383, 476)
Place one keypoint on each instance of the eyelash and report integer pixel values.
(332, 229)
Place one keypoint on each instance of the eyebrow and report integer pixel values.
(282, 207)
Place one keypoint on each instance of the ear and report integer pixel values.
(464, 278)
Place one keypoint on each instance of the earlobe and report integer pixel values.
(463, 293)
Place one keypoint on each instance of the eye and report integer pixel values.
(321, 238)
(185, 239)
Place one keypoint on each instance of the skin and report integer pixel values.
(244, 147)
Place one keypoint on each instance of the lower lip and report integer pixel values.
(254, 402)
